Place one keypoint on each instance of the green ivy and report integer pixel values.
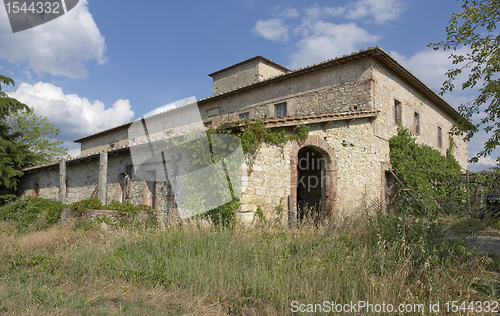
(433, 181)
(251, 136)
(254, 133)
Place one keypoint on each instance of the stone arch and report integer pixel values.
(321, 146)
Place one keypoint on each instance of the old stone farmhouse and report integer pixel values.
(353, 105)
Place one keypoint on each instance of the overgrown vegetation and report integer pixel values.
(30, 211)
(34, 213)
(382, 258)
(432, 182)
(95, 204)
(255, 133)
(251, 136)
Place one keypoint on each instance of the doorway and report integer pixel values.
(311, 183)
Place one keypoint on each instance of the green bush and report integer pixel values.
(433, 180)
(88, 204)
(127, 212)
(26, 211)
(225, 215)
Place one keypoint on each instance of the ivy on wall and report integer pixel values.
(251, 136)
(433, 181)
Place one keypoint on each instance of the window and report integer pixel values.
(397, 112)
(245, 116)
(416, 122)
(440, 137)
(280, 109)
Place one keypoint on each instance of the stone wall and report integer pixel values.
(41, 182)
(268, 182)
(82, 178)
(245, 73)
(387, 89)
(332, 89)
(110, 140)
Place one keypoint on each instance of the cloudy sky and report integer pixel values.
(105, 63)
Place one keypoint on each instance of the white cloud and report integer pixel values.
(320, 39)
(75, 152)
(489, 161)
(73, 115)
(328, 41)
(289, 13)
(430, 66)
(274, 30)
(380, 11)
(60, 47)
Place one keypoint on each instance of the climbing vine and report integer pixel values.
(432, 181)
(251, 135)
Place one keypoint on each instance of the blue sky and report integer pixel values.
(105, 62)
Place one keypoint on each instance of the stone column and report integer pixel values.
(62, 180)
(103, 175)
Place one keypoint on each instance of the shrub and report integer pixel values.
(89, 204)
(26, 211)
(434, 180)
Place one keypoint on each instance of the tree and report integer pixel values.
(39, 135)
(26, 139)
(12, 152)
(475, 28)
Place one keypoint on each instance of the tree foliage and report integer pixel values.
(12, 152)
(39, 135)
(26, 139)
(475, 29)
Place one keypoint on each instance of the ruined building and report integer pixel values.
(352, 104)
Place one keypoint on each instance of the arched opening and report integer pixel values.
(326, 159)
(312, 182)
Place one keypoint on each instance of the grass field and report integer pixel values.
(75, 269)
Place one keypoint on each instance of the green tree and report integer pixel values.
(26, 139)
(12, 152)
(39, 135)
(475, 29)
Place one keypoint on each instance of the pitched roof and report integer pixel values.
(256, 58)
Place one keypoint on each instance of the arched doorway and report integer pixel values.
(318, 162)
(311, 182)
